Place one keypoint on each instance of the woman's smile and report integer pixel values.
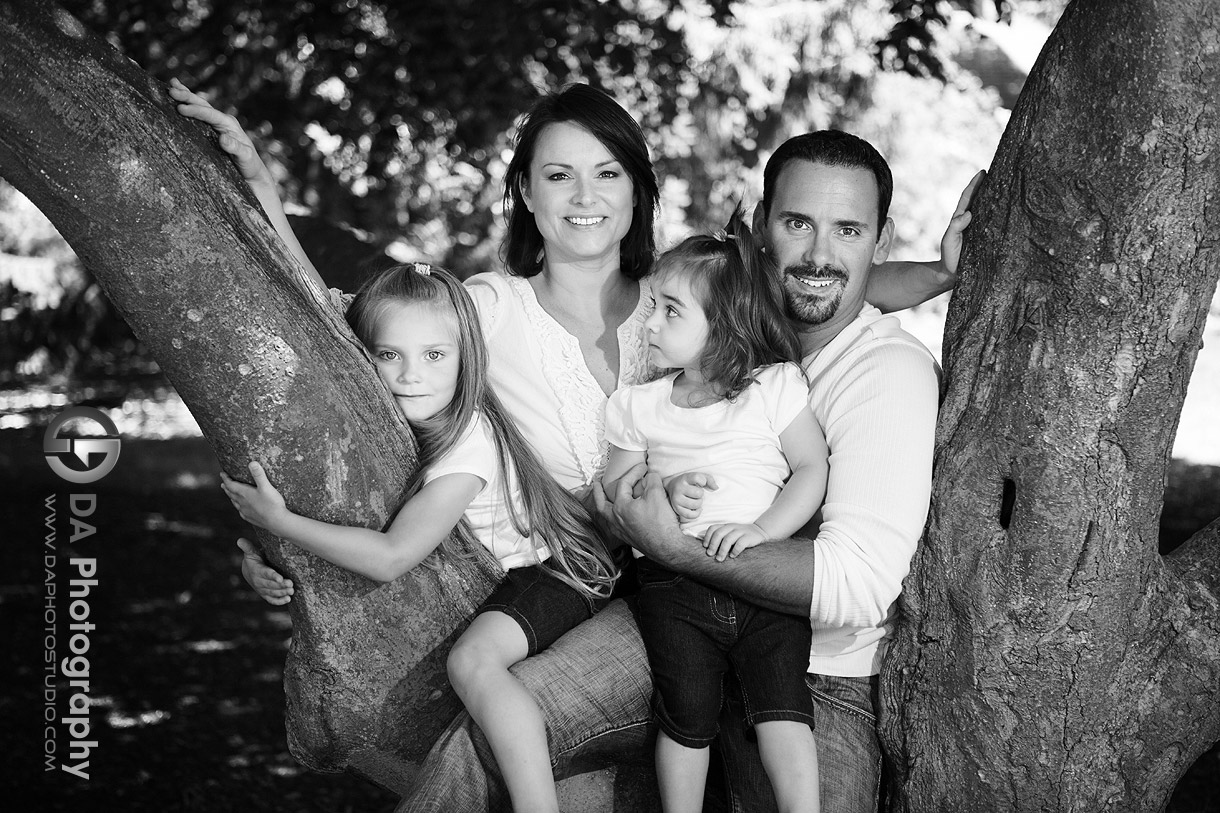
(579, 193)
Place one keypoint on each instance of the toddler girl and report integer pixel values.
(476, 474)
(723, 431)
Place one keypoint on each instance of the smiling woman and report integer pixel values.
(579, 195)
(563, 328)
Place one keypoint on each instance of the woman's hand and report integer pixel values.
(233, 138)
(265, 581)
(235, 142)
(259, 504)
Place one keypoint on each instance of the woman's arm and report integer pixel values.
(269, 583)
(895, 285)
(237, 144)
(427, 518)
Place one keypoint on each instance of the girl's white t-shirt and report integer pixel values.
(737, 442)
(489, 514)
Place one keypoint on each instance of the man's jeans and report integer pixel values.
(849, 753)
(594, 689)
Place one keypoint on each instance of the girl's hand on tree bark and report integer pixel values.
(268, 583)
(233, 138)
(259, 504)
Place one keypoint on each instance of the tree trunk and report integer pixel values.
(1048, 657)
(265, 363)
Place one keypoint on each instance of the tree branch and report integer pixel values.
(1197, 561)
(268, 369)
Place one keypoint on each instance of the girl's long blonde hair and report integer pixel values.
(546, 514)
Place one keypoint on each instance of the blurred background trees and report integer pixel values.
(389, 127)
(389, 124)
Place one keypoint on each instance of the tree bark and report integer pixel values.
(1048, 657)
(263, 360)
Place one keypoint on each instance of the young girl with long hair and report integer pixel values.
(743, 461)
(478, 476)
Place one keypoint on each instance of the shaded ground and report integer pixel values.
(185, 663)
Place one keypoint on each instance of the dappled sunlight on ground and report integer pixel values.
(186, 663)
(150, 411)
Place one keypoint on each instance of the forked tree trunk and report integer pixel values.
(1049, 658)
(266, 365)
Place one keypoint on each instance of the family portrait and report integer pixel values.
(643, 406)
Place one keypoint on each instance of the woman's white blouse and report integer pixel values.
(539, 373)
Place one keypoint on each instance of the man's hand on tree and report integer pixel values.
(951, 242)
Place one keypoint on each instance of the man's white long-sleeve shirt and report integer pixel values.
(874, 390)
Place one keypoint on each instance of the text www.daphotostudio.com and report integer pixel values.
(80, 459)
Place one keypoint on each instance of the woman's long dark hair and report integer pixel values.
(546, 514)
(595, 111)
(738, 287)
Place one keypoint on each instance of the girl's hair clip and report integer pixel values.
(422, 268)
(722, 235)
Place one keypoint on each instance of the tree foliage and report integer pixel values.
(395, 119)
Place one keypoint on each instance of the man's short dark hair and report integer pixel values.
(834, 148)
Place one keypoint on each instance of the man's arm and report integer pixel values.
(777, 575)
(878, 408)
(898, 284)
(880, 421)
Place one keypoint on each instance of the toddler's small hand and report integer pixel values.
(686, 493)
(730, 539)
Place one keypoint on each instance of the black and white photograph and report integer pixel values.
(610, 406)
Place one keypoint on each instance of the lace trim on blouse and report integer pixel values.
(581, 400)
